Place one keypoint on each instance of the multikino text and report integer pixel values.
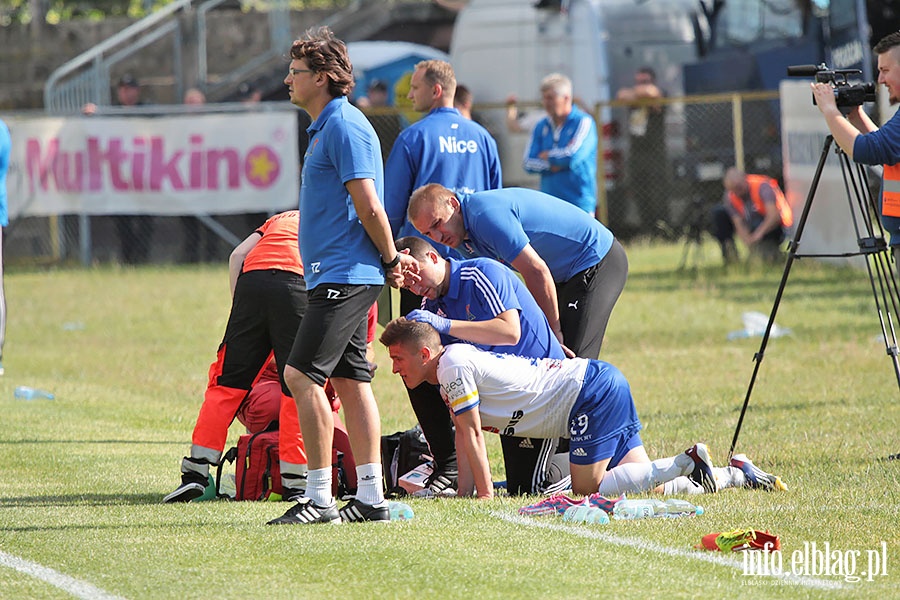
(814, 560)
(144, 164)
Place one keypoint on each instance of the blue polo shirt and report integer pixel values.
(443, 147)
(499, 223)
(479, 290)
(335, 248)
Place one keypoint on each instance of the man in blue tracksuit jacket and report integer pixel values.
(563, 149)
(443, 147)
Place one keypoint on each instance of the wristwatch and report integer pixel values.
(390, 265)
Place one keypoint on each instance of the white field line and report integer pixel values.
(70, 585)
(716, 558)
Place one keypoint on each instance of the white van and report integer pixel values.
(503, 47)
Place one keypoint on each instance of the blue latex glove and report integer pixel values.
(423, 316)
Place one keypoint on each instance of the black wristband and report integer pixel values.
(390, 265)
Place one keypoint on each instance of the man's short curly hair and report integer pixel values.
(328, 55)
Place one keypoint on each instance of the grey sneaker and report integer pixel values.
(305, 512)
(358, 511)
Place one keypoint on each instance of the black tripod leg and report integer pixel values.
(792, 253)
(873, 247)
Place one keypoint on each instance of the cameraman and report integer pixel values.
(866, 143)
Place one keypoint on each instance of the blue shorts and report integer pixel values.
(603, 423)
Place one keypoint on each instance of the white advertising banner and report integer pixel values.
(166, 165)
(829, 227)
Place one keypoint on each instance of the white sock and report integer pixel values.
(318, 486)
(727, 477)
(641, 477)
(682, 485)
(368, 483)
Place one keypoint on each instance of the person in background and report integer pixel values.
(194, 97)
(249, 93)
(5, 152)
(429, 151)
(563, 148)
(647, 166)
(128, 93)
(755, 209)
(462, 101)
(376, 95)
(134, 231)
(387, 123)
(195, 234)
(348, 250)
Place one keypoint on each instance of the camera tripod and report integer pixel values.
(870, 235)
(692, 228)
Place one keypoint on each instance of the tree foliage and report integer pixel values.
(55, 11)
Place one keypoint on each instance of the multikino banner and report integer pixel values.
(166, 165)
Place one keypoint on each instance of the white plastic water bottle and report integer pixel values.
(23, 392)
(650, 507)
(676, 507)
(638, 509)
(400, 511)
(584, 513)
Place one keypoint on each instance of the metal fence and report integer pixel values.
(662, 162)
(659, 190)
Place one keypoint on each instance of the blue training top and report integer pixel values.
(479, 290)
(499, 223)
(333, 243)
(572, 150)
(881, 147)
(443, 147)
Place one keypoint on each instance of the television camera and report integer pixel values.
(846, 95)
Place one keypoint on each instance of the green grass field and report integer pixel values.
(126, 353)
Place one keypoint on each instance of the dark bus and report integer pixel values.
(750, 44)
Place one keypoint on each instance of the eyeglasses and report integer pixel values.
(297, 71)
